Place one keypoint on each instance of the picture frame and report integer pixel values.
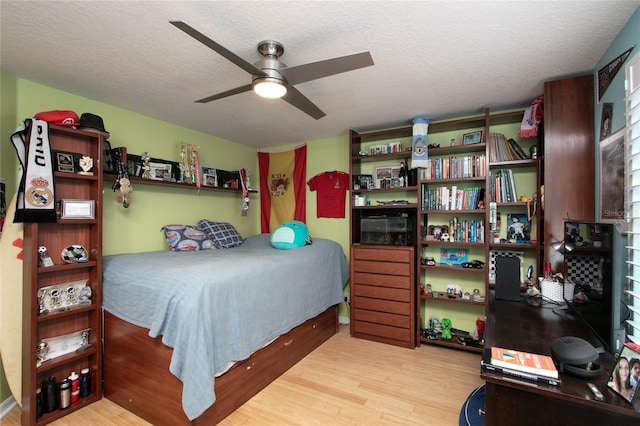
(472, 137)
(518, 228)
(453, 256)
(66, 162)
(611, 209)
(362, 181)
(387, 176)
(107, 159)
(631, 353)
(77, 209)
(208, 176)
(159, 171)
(434, 232)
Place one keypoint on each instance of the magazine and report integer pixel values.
(525, 362)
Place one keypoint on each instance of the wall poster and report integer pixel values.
(612, 180)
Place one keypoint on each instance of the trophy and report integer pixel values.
(55, 302)
(42, 351)
(86, 163)
(145, 166)
(85, 341)
(41, 309)
(72, 299)
(44, 260)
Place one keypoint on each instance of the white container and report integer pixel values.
(554, 291)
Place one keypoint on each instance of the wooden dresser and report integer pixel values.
(383, 294)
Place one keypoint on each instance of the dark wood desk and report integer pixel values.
(523, 326)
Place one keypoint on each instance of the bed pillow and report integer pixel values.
(186, 238)
(222, 234)
(290, 235)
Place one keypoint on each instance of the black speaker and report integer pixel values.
(508, 278)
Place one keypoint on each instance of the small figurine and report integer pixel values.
(446, 329)
(145, 166)
(86, 163)
(44, 260)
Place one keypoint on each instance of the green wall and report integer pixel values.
(137, 228)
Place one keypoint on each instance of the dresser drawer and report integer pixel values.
(394, 320)
(381, 332)
(381, 267)
(382, 280)
(383, 254)
(382, 305)
(387, 293)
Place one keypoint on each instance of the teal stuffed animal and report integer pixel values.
(290, 235)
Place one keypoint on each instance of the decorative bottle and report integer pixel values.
(75, 386)
(85, 383)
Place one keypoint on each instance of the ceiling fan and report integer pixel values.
(273, 79)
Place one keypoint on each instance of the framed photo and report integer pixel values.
(362, 181)
(434, 232)
(612, 180)
(159, 171)
(453, 256)
(209, 176)
(472, 137)
(77, 209)
(66, 162)
(107, 159)
(518, 228)
(387, 176)
(623, 380)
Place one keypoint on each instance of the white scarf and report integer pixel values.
(35, 199)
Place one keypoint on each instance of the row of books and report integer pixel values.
(451, 198)
(502, 186)
(503, 149)
(455, 167)
(466, 231)
(522, 365)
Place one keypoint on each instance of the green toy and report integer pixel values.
(446, 328)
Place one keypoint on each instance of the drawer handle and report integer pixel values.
(288, 343)
(314, 326)
(250, 366)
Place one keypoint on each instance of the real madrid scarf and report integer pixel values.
(35, 199)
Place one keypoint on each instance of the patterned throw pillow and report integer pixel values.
(186, 238)
(223, 234)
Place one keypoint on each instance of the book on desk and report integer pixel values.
(524, 365)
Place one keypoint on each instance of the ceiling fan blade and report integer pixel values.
(301, 73)
(247, 66)
(300, 101)
(241, 89)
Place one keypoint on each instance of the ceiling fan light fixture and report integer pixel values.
(269, 88)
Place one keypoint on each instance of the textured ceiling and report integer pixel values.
(432, 58)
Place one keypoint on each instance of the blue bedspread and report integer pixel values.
(219, 306)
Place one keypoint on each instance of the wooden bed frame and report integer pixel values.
(136, 370)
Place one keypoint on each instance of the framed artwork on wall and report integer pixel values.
(611, 209)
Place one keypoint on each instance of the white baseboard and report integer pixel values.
(6, 406)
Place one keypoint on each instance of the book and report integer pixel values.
(517, 148)
(521, 375)
(524, 362)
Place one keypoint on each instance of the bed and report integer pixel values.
(191, 336)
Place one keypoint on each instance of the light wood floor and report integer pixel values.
(345, 381)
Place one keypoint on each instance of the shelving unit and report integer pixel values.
(464, 167)
(75, 317)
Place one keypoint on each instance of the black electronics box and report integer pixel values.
(394, 231)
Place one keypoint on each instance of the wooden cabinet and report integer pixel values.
(63, 312)
(383, 294)
(569, 158)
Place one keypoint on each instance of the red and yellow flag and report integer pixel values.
(282, 187)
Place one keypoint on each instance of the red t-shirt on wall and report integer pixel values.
(331, 188)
